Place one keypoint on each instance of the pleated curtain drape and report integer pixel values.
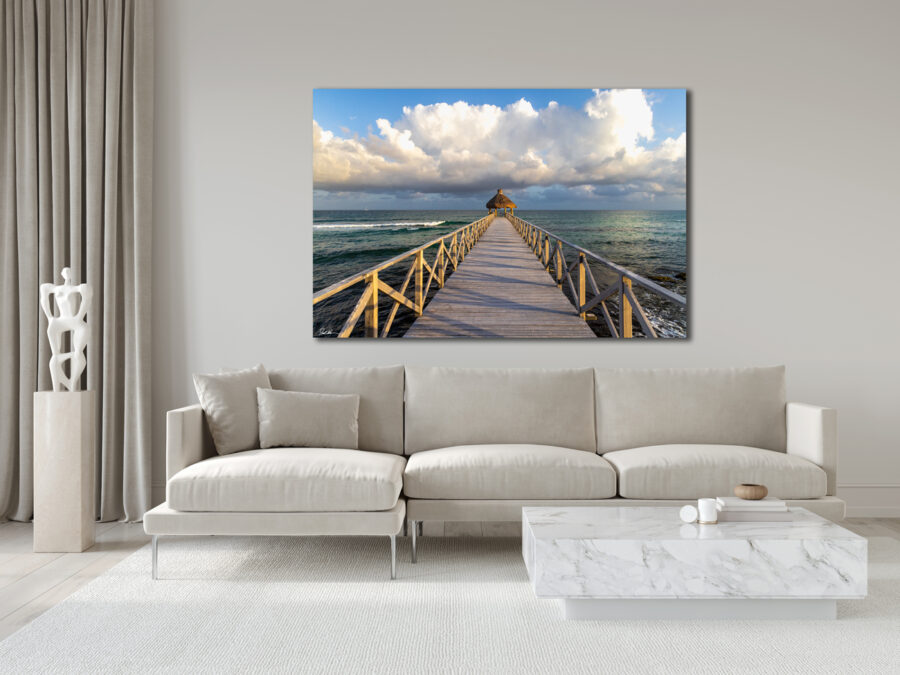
(76, 158)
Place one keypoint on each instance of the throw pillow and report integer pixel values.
(229, 401)
(301, 419)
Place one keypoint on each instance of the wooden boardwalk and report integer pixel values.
(500, 290)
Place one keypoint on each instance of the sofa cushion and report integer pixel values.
(462, 406)
(229, 401)
(729, 406)
(508, 472)
(695, 471)
(302, 419)
(289, 479)
(380, 393)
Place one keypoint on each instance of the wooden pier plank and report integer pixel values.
(500, 290)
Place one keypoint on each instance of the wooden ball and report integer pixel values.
(750, 491)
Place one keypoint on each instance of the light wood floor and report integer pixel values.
(31, 583)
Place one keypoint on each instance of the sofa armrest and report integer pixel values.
(812, 435)
(187, 439)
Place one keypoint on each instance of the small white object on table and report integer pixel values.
(688, 513)
(708, 513)
(642, 562)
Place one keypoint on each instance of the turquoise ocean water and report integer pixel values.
(651, 243)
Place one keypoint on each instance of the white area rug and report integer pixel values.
(327, 605)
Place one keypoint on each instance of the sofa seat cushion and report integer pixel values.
(515, 471)
(695, 471)
(289, 479)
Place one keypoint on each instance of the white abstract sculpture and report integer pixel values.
(71, 319)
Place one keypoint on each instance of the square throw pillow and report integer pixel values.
(229, 401)
(298, 419)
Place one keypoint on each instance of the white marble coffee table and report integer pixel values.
(642, 562)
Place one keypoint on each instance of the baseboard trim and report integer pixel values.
(873, 511)
(872, 500)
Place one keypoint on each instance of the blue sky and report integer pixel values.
(374, 148)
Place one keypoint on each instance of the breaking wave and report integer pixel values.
(374, 226)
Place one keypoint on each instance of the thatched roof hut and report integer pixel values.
(500, 201)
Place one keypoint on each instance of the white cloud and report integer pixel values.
(461, 148)
(625, 113)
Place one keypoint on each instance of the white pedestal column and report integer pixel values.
(63, 471)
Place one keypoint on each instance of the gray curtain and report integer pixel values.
(76, 158)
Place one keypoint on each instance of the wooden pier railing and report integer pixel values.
(551, 251)
(451, 248)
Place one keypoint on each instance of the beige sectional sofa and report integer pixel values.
(453, 444)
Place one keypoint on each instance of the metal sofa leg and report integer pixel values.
(155, 548)
(415, 532)
(393, 557)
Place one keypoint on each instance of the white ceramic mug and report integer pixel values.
(709, 514)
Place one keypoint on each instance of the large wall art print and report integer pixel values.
(500, 213)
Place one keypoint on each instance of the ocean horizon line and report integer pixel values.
(517, 210)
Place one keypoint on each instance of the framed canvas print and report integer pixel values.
(500, 213)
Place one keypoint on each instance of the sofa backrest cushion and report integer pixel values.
(380, 391)
(728, 406)
(468, 406)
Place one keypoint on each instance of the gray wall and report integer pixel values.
(793, 148)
